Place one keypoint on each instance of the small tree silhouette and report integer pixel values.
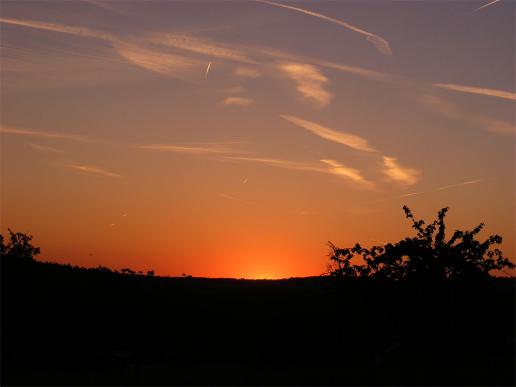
(427, 255)
(19, 246)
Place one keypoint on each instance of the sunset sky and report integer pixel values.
(236, 138)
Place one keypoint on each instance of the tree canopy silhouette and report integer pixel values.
(18, 246)
(427, 255)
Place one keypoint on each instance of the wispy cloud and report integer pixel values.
(138, 53)
(73, 30)
(400, 173)
(229, 197)
(279, 163)
(478, 90)
(353, 174)
(365, 73)
(158, 61)
(451, 110)
(200, 46)
(486, 5)
(247, 72)
(93, 170)
(237, 101)
(380, 43)
(310, 81)
(222, 148)
(496, 126)
(45, 148)
(331, 167)
(34, 133)
(148, 50)
(30, 67)
(347, 139)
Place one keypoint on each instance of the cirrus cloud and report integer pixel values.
(347, 139)
(399, 173)
(353, 174)
(310, 82)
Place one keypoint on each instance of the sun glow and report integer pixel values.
(237, 153)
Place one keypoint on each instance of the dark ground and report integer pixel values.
(64, 326)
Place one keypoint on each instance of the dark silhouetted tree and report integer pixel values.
(428, 255)
(18, 246)
(104, 269)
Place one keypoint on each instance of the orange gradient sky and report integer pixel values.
(234, 139)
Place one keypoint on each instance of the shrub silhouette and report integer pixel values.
(19, 246)
(428, 255)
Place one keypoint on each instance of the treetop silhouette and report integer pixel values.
(427, 255)
(18, 246)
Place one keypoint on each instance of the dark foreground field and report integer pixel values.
(76, 327)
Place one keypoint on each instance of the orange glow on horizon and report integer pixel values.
(166, 136)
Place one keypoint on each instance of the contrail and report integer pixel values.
(486, 5)
(223, 195)
(451, 110)
(366, 73)
(193, 149)
(458, 185)
(207, 70)
(34, 133)
(380, 43)
(79, 31)
(411, 194)
(430, 191)
(45, 148)
(104, 5)
(93, 169)
(478, 90)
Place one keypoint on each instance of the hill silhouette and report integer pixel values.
(64, 325)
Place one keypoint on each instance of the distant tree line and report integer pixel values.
(428, 255)
(19, 247)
